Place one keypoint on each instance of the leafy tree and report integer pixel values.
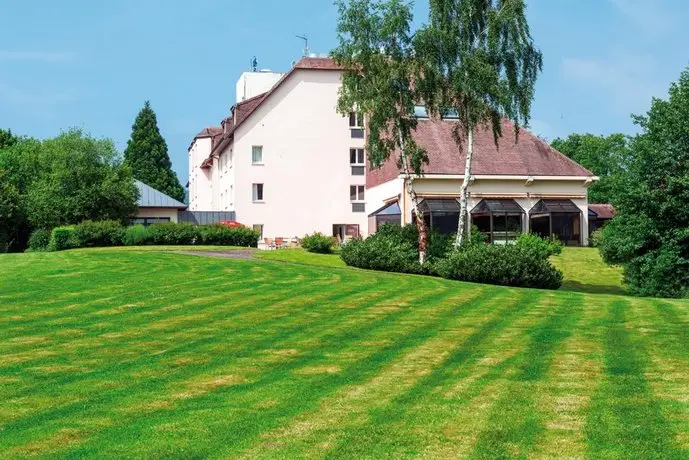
(61, 181)
(11, 216)
(375, 45)
(606, 156)
(650, 234)
(147, 156)
(480, 61)
(7, 139)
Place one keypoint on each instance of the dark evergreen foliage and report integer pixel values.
(147, 155)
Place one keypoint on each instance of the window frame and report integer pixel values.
(357, 118)
(359, 156)
(255, 192)
(358, 195)
(260, 230)
(253, 150)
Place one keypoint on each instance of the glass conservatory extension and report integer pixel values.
(500, 220)
(559, 218)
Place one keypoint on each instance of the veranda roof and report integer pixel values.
(555, 206)
(450, 206)
(496, 206)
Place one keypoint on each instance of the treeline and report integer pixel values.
(61, 181)
(646, 178)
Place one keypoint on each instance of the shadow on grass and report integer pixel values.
(576, 286)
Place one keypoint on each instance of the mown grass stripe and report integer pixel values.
(298, 394)
(515, 422)
(419, 375)
(216, 318)
(625, 419)
(284, 334)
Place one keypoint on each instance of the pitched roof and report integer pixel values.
(152, 198)
(603, 211)
(529, 156)
(243, 110)
(209, 131)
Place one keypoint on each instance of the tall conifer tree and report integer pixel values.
(147, 156)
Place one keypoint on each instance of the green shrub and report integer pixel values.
(222, 235)
(175, 234)
(661, 272)
(505, 265)
(381, 253)
(438, 245)
(541, 247)
(99, 234)
(39, 240)
(318, 243)
(137, 235)
(62, 238)
(596, 238)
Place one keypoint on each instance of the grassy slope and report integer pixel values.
(109, 353)
(583, 268)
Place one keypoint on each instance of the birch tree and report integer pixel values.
(375, 49)
(480, 61)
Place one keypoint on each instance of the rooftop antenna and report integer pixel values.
(306, 43)
(254, 64)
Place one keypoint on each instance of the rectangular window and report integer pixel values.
(356, 192)
(259, 228)
(358, 207)
(257, 192)
(146, 221)
(356, 157)
(356, 120)
(257, 154)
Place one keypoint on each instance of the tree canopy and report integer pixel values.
(608, 157)
(478, 59)
(375, 48)
(147, 155)
(62, 181)
(650, 234)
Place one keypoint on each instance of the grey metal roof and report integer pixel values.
(390, 209)
(152, 198)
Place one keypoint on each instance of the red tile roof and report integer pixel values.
(604, 211)
(209, 131)
(529, 156)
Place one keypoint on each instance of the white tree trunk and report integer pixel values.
(463, 226)
(409, 185)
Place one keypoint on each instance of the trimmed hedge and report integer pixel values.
(318, 243)
(39, 240)
(103, 233)
(382, 253)
(222, 235)
(137, 235)
(395, 249)
(109, 233)
(504, 265)
(63, 238)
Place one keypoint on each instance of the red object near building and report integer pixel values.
(231, 223)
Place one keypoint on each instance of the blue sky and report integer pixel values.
(93, 64)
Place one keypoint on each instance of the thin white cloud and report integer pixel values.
(651, 16)
(37, 56)
(629, 79)
(34, 98)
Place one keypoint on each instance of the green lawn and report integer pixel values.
(147, 354)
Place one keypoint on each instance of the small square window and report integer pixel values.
(257, 192)
(257, 154)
